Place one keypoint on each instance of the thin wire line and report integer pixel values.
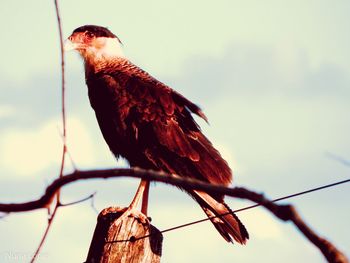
(256, 205)
(133, 239)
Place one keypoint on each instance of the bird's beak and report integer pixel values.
(74, 42)
(69, 45)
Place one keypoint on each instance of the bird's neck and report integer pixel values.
(97, 57)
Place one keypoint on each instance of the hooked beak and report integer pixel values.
(69, 45)
(74, 42)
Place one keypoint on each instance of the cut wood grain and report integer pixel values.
(116, 238)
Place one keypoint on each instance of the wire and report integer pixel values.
(256, 205)
(133, 239)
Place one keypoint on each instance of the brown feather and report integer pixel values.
(229, 226)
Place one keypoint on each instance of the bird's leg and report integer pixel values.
(144, 205)
(140, 192)
(131, 210)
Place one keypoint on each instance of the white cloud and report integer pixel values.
(27, 152)
(79, 143)
(261, 224)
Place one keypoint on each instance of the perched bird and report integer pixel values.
(151, 125)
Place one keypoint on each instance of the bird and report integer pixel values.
(151, 125)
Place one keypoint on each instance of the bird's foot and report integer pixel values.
(132, 212)
(142, 218)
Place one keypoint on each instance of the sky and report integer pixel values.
(271, 76)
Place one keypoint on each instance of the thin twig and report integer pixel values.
(338, 158)
(37, 251)
(93, 204)
(80, 201)
(53, 214)
(67, 150)
(64, 137)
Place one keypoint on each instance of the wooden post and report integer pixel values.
(117, 240)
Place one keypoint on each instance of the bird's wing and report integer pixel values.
(164, 129)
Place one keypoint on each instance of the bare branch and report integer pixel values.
(64, 135)
(92, 204)
(66, 148)
(80, 201)
(186, 183)
(338, 158)
(284, 212)
(42, 241)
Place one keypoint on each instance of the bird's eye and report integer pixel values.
(89, 34)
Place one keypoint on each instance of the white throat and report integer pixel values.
(107, 47)
(102, 51)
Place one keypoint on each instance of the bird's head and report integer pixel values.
(94, 43)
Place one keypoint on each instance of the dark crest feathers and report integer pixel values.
(98, 31)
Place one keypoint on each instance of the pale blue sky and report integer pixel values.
(272, 77)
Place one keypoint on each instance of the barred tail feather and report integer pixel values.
(229, 226)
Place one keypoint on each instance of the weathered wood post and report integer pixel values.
(118, 238)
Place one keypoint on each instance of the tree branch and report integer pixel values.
(283, 212)
(64, 135)
(186, 183)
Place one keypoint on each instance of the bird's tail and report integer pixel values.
(229, 225)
